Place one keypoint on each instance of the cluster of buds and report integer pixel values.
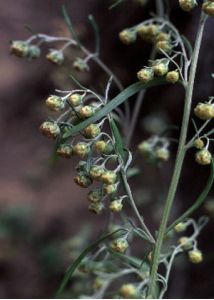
(159, 68)
(24, 49)
(155, 149)
(95, 149)
(195, 255)
(187, 5)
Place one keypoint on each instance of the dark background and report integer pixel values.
(41, 207)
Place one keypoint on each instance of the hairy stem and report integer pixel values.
(178, 163)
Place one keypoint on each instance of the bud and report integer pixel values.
(81, 166)
(65, 150)
(128, 291)
(33, 52)
(109, 177)
(203, 157)
(83, 180)
(116, 206)
(96, 172)
(145, 75)
(149, 256)
(198, 143)
(86, 111)
(160, 67)
(91, 131)
(195, 256)
(127, 36)
(204, 111)
(187, 5)
(100, 146)
(55, 103)
(96, 208)
(148, 32)
(94, 196)
(162, 36)
(19, 48)
(80, 65)
(208, 8)
(120, 245)
(81, 149)
(145, 148)
(172, 76)
(55, 56)
(75, 100)
(98, 283)
(185, 243)
(180, 227)
(162, 154)
(50, 129)
(110, 189)
(163, 45)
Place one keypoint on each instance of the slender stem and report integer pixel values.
(179, 161)
(132, 202)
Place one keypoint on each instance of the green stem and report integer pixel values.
(179, 161)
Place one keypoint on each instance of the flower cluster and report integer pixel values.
(95, 148)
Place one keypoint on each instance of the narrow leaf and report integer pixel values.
(115, 102)
(119, 146)
(76, 263)
(202, 197)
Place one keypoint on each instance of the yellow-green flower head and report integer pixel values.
(185, 243)
(56, 57)
(81, 149)
(128, 291)
(145, 75)
(96, 172)
(91, 131)
(98, 283)
(120, 245)
(110, 189)
(19, 48)
(100, 146)
(65, 151)
(55, 103)
(198, 143)
(50, 129)
(33, 52)
(161, 67)
(208, 8)
(163, 45)
(203, 157)
(145, 148)
(96, 208)
(187, 5)
(75, 100)
(162, 154)
(172, 76)
(127, 36)
(116, 206)
(86, 111)
(162, 36)
(180, 227)
(195, 256)
(109, 177)
(94, 196)
(80, 65)
(148, 32)
(83, 180)
(204, 111)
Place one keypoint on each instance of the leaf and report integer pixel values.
(116, 3)
(188, 45)
(119, 145)
(96, 32)
(134, 261)
(76, 263)
(70, 25)
(198, 202)
(115, 102)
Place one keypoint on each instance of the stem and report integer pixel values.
(179, 160)
(132, 202)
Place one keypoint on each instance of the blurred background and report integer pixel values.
(40, 206)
